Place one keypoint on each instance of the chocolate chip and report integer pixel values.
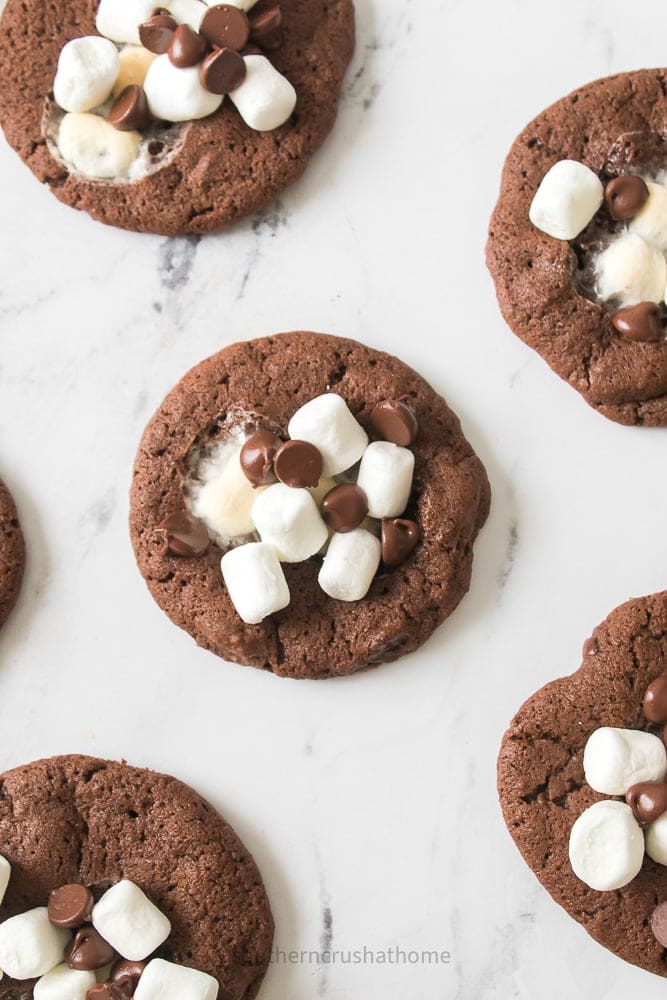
(298, 464)
(642, 322)
(155, 147)
(590, 647)
(107, 991)
(70, 906)
(185, 535)
(655, 700)
(266, 25)
(225, 26)
(399, 538)
(187, 47)
(257, 456)
(156, 33)
(344, 508)
(88, 951)
(659, 924)
(222, 71)
(130, 110)
(127, 974)
(395, 421)
(625, 196)
(648, 801)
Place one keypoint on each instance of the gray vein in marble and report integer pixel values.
(510, 556)
(176, 260)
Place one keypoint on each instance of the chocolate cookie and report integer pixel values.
(192, 177)
(79, 820)
(12, 554)
(551, 290)
(544, 790)
(403, 573)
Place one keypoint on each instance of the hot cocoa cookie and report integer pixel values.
(582, 783)
(171, 118)
(304, 504)
(578, 243)
(12, 554)
(105, 863)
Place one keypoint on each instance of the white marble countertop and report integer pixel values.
(369, 803)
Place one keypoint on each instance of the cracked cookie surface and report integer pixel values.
(541, 779)
(12, 554)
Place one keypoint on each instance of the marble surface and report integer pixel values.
(369, 802)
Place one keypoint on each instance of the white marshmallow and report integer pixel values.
(255, 581)
(327, 423)
(126, 918)
(631, 270)
(350, 565)
(385, 476)
(567, 199)
(163, 980)
(5, 875)
(325, 485)
(241, 4)
(651, 222)
(133, 63)
(616, 759)
(266, 98)
(63, 983)
(189, 12)
(288, 519)
(119, 20)
(656, 840)
(95, 148)
(606, 846)
(87, 71)
(30, 945)
(177, 95)
(224, 502)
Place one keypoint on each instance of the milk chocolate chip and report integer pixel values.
(625, 196)
(257, 456)
(124, 971)
(266, 25)
(642, 322)
(222, 71)
(298, 464)
(88, 951)
(187, 47)
(395, 421)
(655, 700)
(648, 801)
(185, 535)
(156, 33)
(225, 26)
(70, 906)
(130, 110)
(344, 508)
(399, 538)
(108, 991)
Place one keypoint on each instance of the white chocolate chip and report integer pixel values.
(224, 502)
(656, 840)
(288, 519)
(130, 922)
(190, 12)
(5, 875)
(266, 99)
(95, 148)
(163, 980)
(350, 565)
(631, 271)
(30, 946)
(87, 71)
(606, 846)
(119, 20)
(63, 983)
(255, 581)
(567, 199)
(385, 476)
(177, 95)
(327, 423)
(616, 759)
(651, 221)
(134, 61)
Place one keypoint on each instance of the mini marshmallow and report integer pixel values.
(30, 946)
(119, 20)
(567, 199)
(631, 271)
(163, 980)
(266, 98)
(255, 581)
(606, 846)
(616, 759)
(241, 4)
(350, 565)
(63, 983)
(5, 875)
(385, 476)
(87, 71)
(288, 519)
(656, 840)
(95, 148)
(225, 503)
(126, 918)
(651, 221)
(190, 12)
(327, 423)
(133, 63)
(177, 95)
